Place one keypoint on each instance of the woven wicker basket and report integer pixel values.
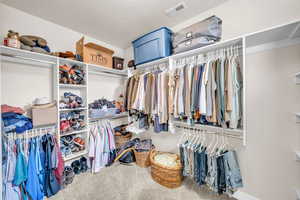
(122, 139)
(170, 177)
(142, 158)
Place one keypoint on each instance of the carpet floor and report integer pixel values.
(120, 182)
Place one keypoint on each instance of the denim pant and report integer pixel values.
(232, 171)
(221, 175)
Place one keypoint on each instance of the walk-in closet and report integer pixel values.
(160, 100)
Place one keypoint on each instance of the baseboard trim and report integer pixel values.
(243, 196)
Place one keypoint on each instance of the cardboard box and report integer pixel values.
(94, 54)
(44, 116)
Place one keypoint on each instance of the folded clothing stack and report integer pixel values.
(70, 121)
(71, 74)
(14, 120)
(70, 100)
(103, 107)
(34, 43)
(71, 144)
(102, 104)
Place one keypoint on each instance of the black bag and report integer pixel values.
(127, 158)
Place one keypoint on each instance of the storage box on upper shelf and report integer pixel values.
(198, 35)
(94, 54)
(118, 63)
(152, 46)
(44, 116)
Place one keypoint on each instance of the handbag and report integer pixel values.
(128, 157)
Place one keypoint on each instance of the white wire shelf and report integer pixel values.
(71, 86)
(117, 116)
(72, 109)
(73, 132)
(24, 56)
(27, 55)
(75, 155)
(97, 69)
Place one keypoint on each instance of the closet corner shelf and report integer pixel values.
(75, 155)
(72, 109)
(71, 86)
(117, 116)
(73, 132)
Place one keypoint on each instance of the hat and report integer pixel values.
(41, 101)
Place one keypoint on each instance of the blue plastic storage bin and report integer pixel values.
(154, 45)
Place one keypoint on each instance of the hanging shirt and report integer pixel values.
(203, 91)
(10, 192)
(95, 149)
(32, 184)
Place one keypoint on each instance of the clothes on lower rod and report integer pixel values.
(221, 173)
(32, 168)
(148, 93)
(102, 148)
(210, 88)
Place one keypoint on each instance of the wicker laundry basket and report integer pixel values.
(142, 158)
(122, 139)
(170, 177)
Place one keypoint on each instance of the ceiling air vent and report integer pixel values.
(174, 10)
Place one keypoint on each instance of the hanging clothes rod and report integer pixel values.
(38, 131)
(237, 133)
(111, 74)
(211, 132)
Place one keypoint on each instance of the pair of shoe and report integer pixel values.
(68, 176)
(80, 166)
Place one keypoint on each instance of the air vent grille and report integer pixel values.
(175, 9)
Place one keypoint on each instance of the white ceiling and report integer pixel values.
(117, 22)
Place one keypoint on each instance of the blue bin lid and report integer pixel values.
(152, 32)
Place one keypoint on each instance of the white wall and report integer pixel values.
(58, 37)
(21, 79)
(268, 162)
(245, 16)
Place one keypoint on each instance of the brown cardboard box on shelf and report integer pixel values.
(118, 63)
(44, 116)
(94, 54)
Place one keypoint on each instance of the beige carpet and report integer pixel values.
(120, 182)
